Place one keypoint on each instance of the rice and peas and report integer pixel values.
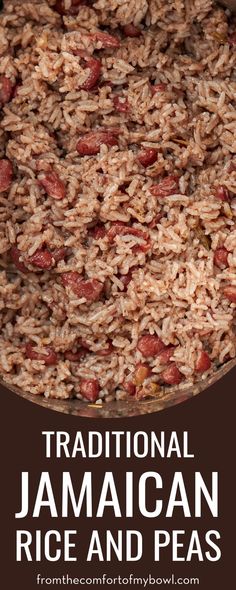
(117, 195)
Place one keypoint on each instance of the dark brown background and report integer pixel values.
(210, 420)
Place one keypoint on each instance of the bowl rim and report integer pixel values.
(123, 409)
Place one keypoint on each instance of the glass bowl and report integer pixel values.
(122, 409)
(169, 396)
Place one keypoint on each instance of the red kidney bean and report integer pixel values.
(166, 354)
(150, 345)
(75, 356)
(121, 106)
(59, 254)
(42, 258)
(89, 388)
(147, 157)
(98, 232)
(157, 88)
(91, 289)
(222, 193)
(166, 187)
(203, 362)
(6, 90)
(129, 386)
(171, 375)
(90, 143)
(119, 228)
(50, 356)
(6, 174)
(53, 185)
(221, 257)
(106, 40)
(15, 256)
(230, 293)
(131, 30)
(73, 10)
(94, 65)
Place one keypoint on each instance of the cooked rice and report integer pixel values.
(176, 291)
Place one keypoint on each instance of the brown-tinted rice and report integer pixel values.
(176, 290)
